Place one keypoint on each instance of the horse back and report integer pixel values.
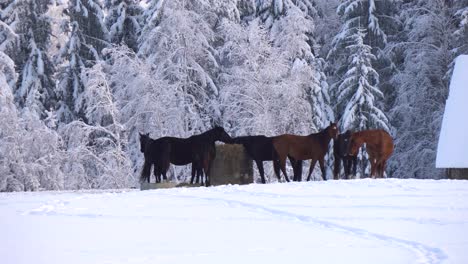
(298, 147)
(181, 151)
(259, 147)
(378, 141)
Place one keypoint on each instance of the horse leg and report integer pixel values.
(311, 169)
(260, 170)
(200, 176)
(156, 172)
(298, 170)
(373, 167)
(193, 173)
(283, 168)
(336, 169)
(322, 168)
(206, 167)
(146, 172)
(379, 169)
(384, 164)
(347, 166)
(354, 161)
(294, 166)
(276, 168)
(164, 169)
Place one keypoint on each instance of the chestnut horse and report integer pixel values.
(313, 146)
(379, 145)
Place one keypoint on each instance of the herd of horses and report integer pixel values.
(200, 151)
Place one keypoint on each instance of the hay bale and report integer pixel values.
(232, 165)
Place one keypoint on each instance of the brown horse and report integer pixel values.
(379, 145)
(313, 146)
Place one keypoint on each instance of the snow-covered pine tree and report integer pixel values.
(87, 36)
(95, 151)
(259, 95)
(70, 86)
(151, 17)
(90, 18)
(8, 38)
(293, 34)
(180, 47)
(9, 125)
(35, 86)
(359, 89)
(422, 81)
(371, 16)
(358, 92)
(147, 102)
(29, 158)
(461, 33)
(123, 22)
(362, 14)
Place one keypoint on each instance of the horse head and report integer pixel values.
(355, 142)
(221, 135)
(332, 130)
(144, 139)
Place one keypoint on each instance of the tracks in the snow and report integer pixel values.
(425, 254)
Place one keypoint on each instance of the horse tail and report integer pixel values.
(146, 172)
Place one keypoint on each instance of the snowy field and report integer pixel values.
(359, 221)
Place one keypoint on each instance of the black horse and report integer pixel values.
(340, 151)
(198, 149)
(260, 148)
(153, 151)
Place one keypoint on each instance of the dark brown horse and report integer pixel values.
(152, 150)
(340, 152)
(379, 145)
(198, 149)
(313, 147)
(260, 148)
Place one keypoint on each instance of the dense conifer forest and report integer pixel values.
(79, 79)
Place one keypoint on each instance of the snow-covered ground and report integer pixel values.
(358, 221)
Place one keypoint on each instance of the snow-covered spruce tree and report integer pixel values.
(30, 151)
(123, 22)
(9, 127)
(422, 81)
(95, 150)
(358, 92)
(151, 17)
(359, 14)
(70, 86)
(461, 33)
(293, 34)
(375, 18)
(35, 86)
(180, 48)
(87, 36)
(8, 38)
(359, 89)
